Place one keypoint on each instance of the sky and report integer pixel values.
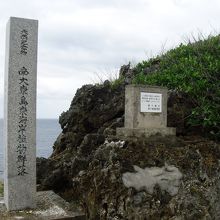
(86, 41)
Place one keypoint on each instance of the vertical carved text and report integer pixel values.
(22, 122)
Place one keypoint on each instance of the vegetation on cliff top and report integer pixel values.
(193, 69)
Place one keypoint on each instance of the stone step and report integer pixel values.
(50, 206)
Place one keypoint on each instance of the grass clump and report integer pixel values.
(117, 82)
(195, 70)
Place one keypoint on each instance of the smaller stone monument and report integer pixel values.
(145, 112)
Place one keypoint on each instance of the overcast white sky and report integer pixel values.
(79, 38)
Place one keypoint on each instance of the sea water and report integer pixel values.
(47, 132)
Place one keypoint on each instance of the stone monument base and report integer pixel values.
(145, 132)
(50, 206)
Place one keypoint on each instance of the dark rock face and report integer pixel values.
(93, 109)
(95, 112)
(104, 196)
(88, 161)
(96, 184)
(127, 73)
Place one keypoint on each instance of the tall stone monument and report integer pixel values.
(145, 112)
(20, 114)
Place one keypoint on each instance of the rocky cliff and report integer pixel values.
(110, 178)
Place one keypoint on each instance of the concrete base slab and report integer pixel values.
(145, 132)
(49, 206)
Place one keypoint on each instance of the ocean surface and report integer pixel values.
(47, 132)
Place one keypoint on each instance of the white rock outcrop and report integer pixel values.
(167, 177)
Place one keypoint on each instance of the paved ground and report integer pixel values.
(49, 206)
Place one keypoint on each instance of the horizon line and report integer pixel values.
(42, 118)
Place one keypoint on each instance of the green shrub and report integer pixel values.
(194, 69)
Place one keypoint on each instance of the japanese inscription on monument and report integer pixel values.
(24, 42)
(22, 124)
(23, 108)
(151, 102)
(20, 113)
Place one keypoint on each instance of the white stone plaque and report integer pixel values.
(151, 102)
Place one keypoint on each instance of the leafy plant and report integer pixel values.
(193, 68)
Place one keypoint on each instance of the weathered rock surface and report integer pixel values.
(93, 109)
(89, 162)
(96, 180)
